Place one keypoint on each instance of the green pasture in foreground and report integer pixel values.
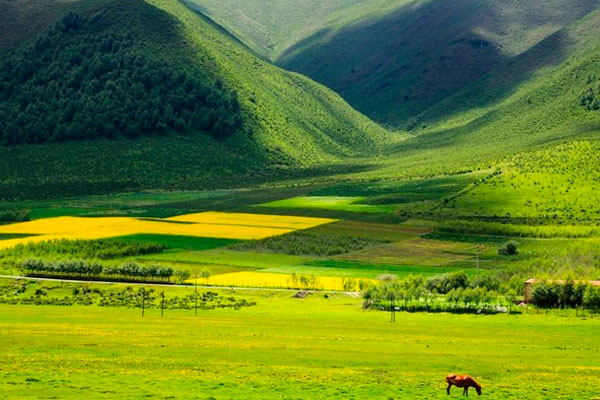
(285, 348)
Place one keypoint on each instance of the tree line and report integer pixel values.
(129, 271)
(102, 249)
(455, 292)
(79, 82)
(566, 295)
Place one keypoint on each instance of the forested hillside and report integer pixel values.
(90, 77)
(150, 68)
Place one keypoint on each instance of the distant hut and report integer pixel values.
(532, 281)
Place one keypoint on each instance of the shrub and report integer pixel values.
(509, 248)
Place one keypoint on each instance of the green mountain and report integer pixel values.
(544, 97)
(392, 60)
(279, 122)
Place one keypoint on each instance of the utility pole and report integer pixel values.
(143, 300)
(393, 308)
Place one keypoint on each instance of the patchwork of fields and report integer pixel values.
(326, 237)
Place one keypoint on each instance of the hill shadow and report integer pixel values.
(395, 67)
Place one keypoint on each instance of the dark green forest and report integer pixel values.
(84, 78)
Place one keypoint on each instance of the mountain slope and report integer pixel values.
(539, 100)
(294, 122)
(394, 59)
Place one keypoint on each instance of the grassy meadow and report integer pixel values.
(318, 348)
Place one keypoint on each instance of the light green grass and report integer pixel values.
(314, 348)
(558, 183)
(229, 257)
(331, 203)
(414, 252)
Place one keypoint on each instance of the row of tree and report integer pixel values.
(90, 269)
(78, 82)
(86, 249)
(454, 292)
(566, 295)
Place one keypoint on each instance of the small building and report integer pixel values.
(532, 281)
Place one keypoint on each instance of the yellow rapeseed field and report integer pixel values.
(285, 281)
(274, 221)
(209, 224)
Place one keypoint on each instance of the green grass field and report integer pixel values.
(352, 204)
(288, 348)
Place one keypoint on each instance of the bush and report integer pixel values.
(510, 248)
(486, 281)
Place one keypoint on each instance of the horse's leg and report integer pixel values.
(448, 388)
(467, 391)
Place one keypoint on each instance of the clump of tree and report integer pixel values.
(565, 295)
(310, 243)
(590, 96)
(451, 292)
(86, 249)
(84, 79)
(444, 283)
(80, 269)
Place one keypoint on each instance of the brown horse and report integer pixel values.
(462, 381)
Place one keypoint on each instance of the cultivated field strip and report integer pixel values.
(213, 224)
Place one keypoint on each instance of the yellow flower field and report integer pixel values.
(274, 221)
(286, 281)
(209, 224)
